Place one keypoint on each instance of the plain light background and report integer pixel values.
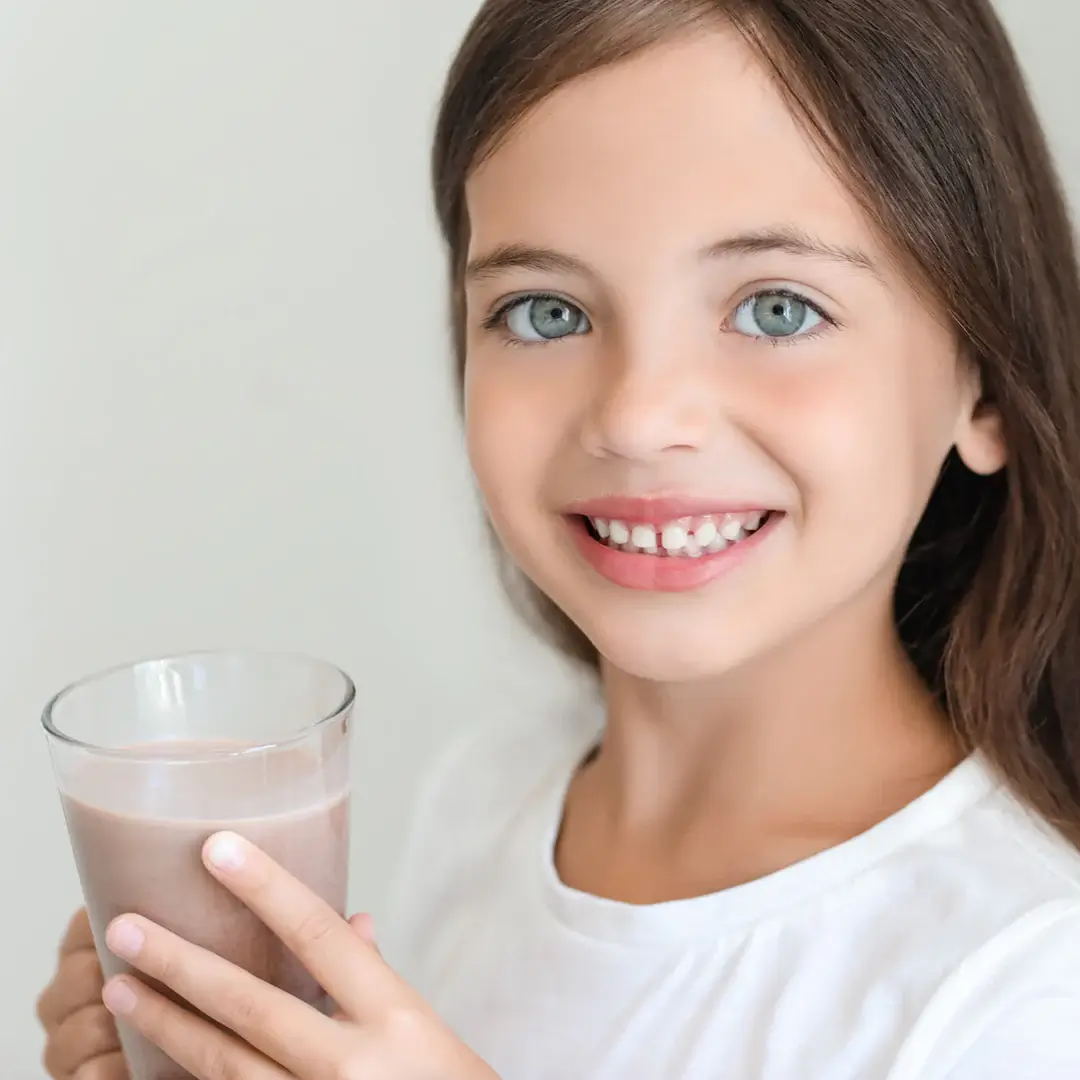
(226, 413)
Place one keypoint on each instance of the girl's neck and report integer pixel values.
(840, 706)
(819, 742)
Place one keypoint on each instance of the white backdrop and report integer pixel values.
(226, 414)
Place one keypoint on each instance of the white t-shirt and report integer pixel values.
(943, 944)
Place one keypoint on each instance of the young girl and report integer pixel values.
(768, 322)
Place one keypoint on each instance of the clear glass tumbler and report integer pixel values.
(154, 757)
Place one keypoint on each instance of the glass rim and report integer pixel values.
(135, 754)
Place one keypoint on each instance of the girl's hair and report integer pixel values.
(922, 109)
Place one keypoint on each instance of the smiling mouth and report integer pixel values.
(681, 538)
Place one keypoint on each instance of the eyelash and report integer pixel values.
(789, 294)
(497, 319)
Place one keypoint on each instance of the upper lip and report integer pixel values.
(657, 509)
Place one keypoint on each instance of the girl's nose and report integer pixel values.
(641, 410)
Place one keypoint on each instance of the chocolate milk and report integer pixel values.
(136, 854)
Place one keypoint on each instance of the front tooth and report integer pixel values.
(619, 532)
(731, 529)
(603, 530)
(693, 548)
(706, 533)
(644, 537)
(674, 538)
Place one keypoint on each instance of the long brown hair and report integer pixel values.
(922, 108)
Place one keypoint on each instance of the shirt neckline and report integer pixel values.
(663, 924)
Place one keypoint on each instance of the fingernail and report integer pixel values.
(125, 938)
(118, 997)
(225, 851)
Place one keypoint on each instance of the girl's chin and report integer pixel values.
(670, 658)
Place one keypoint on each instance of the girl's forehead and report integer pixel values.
(693, 133)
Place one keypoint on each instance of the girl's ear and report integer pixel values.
(980, 436)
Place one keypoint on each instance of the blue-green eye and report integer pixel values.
(777, 313)
(543, 318)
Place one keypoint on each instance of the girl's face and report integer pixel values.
(704, 407)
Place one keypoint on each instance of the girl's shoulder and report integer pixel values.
(1006, 886)
(491, 767)
(1011, 1008)
(477, 790)
(1008, 841)
(492, 770)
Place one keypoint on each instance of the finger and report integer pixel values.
(87, 1034)
(283, 1027)
(77, 983)
(78, 935)
(109, 1067)
(193, 1043)
(348, 968)
(364, 926)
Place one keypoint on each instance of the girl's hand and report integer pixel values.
(383, 1032)
(80, 1036)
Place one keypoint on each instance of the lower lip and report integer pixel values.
(657, 573)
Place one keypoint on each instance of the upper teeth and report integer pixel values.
(674, 537)
(644, 537)
(685, 536)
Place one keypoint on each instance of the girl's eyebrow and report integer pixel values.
(793, 241)
(784, 238)
(542, 260)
